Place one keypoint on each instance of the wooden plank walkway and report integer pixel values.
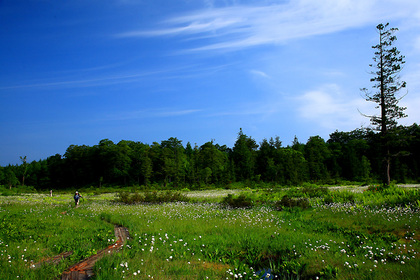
(53, 260)
(84, 269)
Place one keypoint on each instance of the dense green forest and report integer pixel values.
(345, 156)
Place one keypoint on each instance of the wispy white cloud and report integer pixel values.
(254, 110)
(259, 73)
(413, 113)
(329, 107)
(172, 113)
(189, 28)
(411, 100)
(94, 79)
(241, 26)
(416, 45)
(148, 113)
(83, 82)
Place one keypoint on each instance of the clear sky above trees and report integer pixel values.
(76, 72)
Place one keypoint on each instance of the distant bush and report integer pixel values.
(151, 197)
(290, 202)
(308, 190)
(240, 201)
(393, 196)
(314, 191)
(377, 188)
(340, 196)
(6, 191)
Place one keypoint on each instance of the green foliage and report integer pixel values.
(317, 154)
(329, 272)
(347, 157)
(31, 232)
(6, 191)
(244, 156)
(340, 197)
(151, 197)
(395, 196)
(292, 269)
(289, 202)
(310, 190)
(340, 240)
(388, 63)
(240, 201)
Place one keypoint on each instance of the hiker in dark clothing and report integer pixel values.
(77, 197)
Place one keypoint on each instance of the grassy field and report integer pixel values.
(334, 234)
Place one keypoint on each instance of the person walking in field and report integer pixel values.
(77, 197)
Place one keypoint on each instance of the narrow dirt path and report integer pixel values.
(84, 269)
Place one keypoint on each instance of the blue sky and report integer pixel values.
(76, 72)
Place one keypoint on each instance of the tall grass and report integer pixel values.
(31, 232)
(343, 235)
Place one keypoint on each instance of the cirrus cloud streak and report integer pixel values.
(241, 26)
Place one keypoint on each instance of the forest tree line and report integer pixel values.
(345, 156)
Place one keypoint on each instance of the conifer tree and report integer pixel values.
(387, 65)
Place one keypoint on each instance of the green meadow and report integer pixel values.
(309, 232)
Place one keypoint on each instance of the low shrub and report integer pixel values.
(329, 272)
(288, 269)
(151, 197)
(290, 202)
(317, 191)
(376, 188)
(340, 196)
(308, 190)
(7, 191)
(240, 201)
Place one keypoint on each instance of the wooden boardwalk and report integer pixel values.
(53, 260)
(84, 269)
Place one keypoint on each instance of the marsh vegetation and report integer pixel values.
(309, 232)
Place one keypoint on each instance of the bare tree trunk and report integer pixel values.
(386, 178)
